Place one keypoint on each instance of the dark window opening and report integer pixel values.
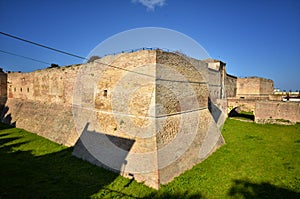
(27, 90)
(105, 93)
(21, 89)
(15, 89)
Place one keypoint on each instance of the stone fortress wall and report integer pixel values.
(230, 85)
(150, 102)
(277, 112)
(3, 89)
(91, 100)
(255, 94)
(55, 87)
(41, 102)
(252, 87)
(216, 75)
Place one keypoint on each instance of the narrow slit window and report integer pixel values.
(27, 90)
(21, 89)
(105, 93)
(15, 89)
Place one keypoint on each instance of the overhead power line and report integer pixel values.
(70, 54)
(29, 58)
(74, 55)
(41, 45)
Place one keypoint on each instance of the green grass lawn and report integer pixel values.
(257, 161)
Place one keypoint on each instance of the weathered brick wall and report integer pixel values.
(3, 92)
(3, 84)
(266, 86)
(230, 85)
(177, 73)
(41, 102)
(274, 112)
(183, 105)
(254, 87)
(200, 66)
(244, 104)
(248, 86)
(52, 85)
(275, 97)
(215, 84)
(203, 143)
(50, 120)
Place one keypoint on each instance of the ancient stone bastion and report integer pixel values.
(148, 115)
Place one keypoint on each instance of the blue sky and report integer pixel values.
(254, 38)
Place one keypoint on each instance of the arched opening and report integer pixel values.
(239, 113)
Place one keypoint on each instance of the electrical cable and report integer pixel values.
(70, 54)
(29, 58)
(41, 45)
(74, 55)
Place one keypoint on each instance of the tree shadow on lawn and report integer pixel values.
(248, 190)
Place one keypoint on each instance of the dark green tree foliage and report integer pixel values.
(54, 66)
(93, 58)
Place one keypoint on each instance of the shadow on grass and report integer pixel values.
(6, 118)
(237, 113)
(60, 175)
(248, 190)
(55, 175)
(166, 195)
(5, 126)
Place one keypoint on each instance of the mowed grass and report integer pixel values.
(257, 161)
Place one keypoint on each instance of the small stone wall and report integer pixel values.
(247, 105)
(277, 112)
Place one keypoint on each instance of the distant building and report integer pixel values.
(254, 87)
